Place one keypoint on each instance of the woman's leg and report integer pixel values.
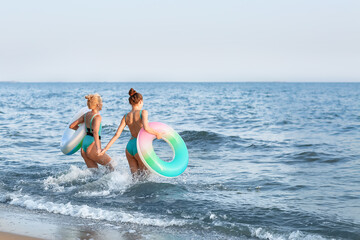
(141, 165)
(134, 167)
(104, 160)
(89, 163)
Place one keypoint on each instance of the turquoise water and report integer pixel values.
(266, 161)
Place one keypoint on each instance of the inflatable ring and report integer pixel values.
(152, 161)
(71, 140)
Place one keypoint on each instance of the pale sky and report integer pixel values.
(168, 40)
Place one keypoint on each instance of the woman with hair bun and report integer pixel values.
(135, 120)
(91, 146)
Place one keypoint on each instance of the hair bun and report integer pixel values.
(93, 100)
(135, 97)
(91, 96)
(132, 92)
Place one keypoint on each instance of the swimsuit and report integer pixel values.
(131, 146)
(89, 138)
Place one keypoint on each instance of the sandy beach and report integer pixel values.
(17, 223)
(11, 236)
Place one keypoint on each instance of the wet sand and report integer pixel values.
(11, 236)
(17, 223)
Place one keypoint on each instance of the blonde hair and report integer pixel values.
(93, 100)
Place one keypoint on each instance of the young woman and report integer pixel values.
(91, 147)
(135, 120)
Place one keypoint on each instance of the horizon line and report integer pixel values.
(279, 81)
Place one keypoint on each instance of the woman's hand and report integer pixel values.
(102, 152)
(158, 135)
(76, 127)
(98, 151)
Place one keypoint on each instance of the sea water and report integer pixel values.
(266, 161)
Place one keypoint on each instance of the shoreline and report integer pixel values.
(13, 236)
(17, 223)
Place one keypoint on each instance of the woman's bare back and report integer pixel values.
(134, 122)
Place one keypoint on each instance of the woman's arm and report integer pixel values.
(147, 127)
(116, 136)
(75, 125)
(96, 127)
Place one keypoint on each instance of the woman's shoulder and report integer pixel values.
(128, 113)
(144, 112)
(96, 116)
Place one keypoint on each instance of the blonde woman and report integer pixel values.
(91, 146)
(135, 120)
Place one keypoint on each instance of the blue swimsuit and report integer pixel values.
(131, 146)
(89, 138)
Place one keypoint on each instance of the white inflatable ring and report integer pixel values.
(71, 140)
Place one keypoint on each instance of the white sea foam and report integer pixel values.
(87, 180)
(296, 235)
(93, 193)
(212, 216)
(117, 181)
(85, 211)
(74, 174)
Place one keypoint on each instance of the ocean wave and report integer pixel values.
(211, 186)
(205, 139)
(154, 188)
(310, 145)
(312, 156)
(85, 211)
(113, 182)
(95, 183)
(260, 145)
(14, 134)
(88, 182)
(191, 136)
(262, 233)
(74, 176)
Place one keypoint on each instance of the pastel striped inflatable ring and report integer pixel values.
(71, 140)
(148, 156)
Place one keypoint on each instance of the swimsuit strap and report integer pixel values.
(85, 121)
(91, 122)
(125, 118)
